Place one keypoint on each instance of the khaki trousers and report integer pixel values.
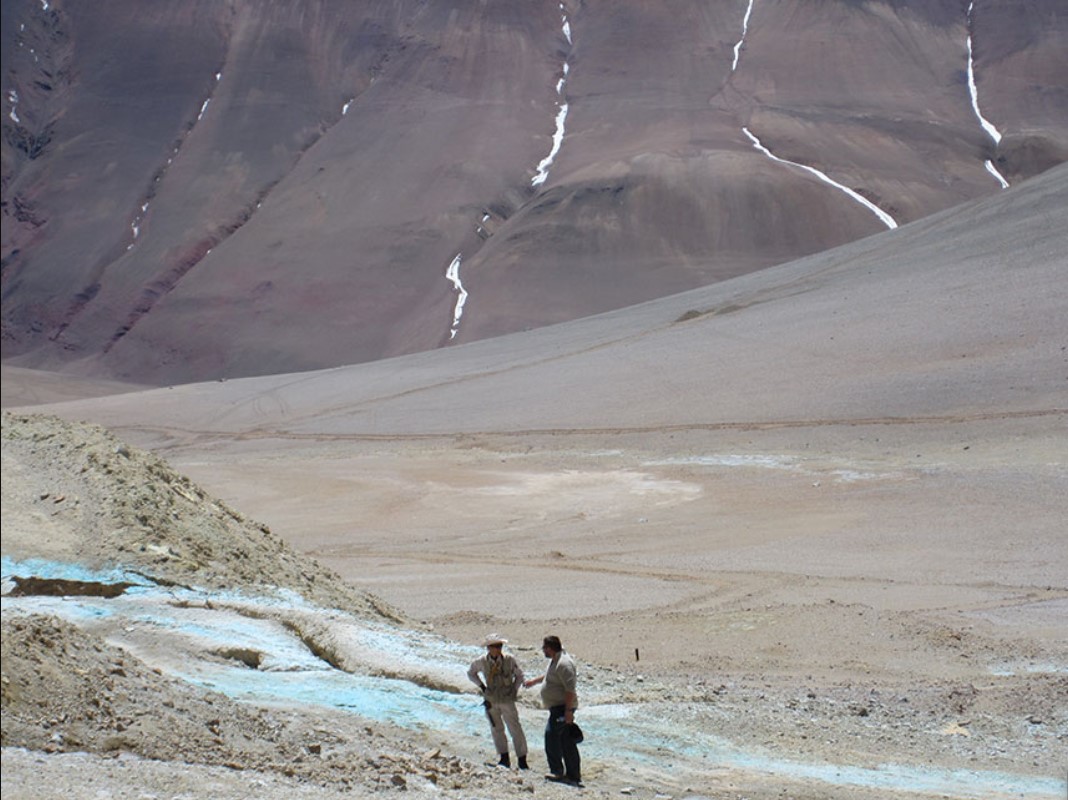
(505, 715)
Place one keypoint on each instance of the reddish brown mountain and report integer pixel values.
(204, 189)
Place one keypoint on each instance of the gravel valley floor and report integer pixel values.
(746, 624)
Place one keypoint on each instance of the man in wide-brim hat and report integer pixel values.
(498, 676)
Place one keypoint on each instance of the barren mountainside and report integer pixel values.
(217, 189)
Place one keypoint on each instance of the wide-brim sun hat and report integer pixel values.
(494, 638)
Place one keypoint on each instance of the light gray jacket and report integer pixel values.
(502, 676)
(560, 680)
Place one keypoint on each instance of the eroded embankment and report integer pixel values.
(269, 650)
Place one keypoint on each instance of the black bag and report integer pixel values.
(575, 732)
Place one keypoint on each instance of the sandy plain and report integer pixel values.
(817, 514)
(819, 611)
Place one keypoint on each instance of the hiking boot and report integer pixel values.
(566, 780)
(505, 761)
(523, 762)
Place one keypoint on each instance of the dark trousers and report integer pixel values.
(560, 749)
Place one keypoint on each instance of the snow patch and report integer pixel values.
(885, 218)
(453, 274)
(997, 175)
(558, 139)
(991, 131)
(542, 173)
(745, 30)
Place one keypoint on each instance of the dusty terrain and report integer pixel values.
(946, 674)
(803, 531)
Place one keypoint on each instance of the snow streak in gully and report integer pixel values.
(991, 131)
(745, 30)
(561, 114)
(453, 274)
(138, 220)
(885, 218)
(541, 175)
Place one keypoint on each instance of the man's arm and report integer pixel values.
(472, 673)
(570, 701)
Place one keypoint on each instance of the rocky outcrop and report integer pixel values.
(94, 500)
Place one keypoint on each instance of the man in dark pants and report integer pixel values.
(558, 694)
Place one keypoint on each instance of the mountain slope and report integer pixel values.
(956, 316)
(214, 190)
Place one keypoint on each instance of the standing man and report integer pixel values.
(558, 694)
(498, 676)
